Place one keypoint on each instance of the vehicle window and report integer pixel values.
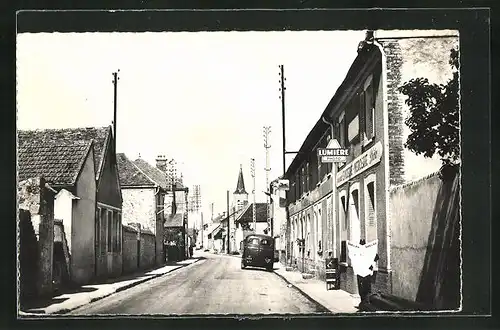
(253, 241)
(265, 242)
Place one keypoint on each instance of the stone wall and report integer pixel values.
(35, 197)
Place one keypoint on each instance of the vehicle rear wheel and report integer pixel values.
(243, 264)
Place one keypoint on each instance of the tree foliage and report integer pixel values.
(434, 116)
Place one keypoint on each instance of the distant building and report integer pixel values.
(240, 195)
(244, 223)
(144, 188)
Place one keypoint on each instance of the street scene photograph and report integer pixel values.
(238, 173)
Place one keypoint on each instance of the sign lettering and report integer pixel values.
(333, 155)
(360, 164)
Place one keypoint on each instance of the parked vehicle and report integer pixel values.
(258, 251)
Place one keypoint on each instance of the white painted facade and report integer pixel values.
(63, 210)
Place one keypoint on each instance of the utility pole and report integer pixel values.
(252, 169)
(202, 237)
(212, 205)
(228, 232)
(287, 215)
(115, 96)
(267, 131)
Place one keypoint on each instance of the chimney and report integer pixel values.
(161, 162)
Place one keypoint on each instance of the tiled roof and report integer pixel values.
(58, 162)
(153, 173)
(99, 135)
(130, 174)
(247, 215)
(175, 220)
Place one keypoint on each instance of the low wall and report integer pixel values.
(148, 255)
(411, 212)
(146, 259)
(129, 250)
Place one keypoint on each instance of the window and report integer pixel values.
(307, 178)
(343, 211)
(254, 241)
(102, 230)
(328, 165)
(116, 231)
(353, 129)
(370, 208)
(319, 230)
(354, 216)
(302, 181)
(110, 230)
(120, 230)
(342, 141)
(369, 109)
(371, 203)
(97, 229)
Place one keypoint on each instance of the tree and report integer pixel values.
(434, 116)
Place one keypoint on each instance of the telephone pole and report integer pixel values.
(202, 237)
(252, 169)
(115, 96)
(267, 131)
(228, 232)
(212, 211)
(289, 247)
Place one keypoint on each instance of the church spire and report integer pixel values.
(240, 187)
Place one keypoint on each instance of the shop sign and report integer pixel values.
(333, 155)
(369, 158)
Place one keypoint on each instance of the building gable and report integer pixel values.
(108, 185)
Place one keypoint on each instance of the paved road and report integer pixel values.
(215, 285)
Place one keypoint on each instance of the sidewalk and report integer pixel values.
(337, 301)
(89, 293)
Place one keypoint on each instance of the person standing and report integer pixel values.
(365, 282)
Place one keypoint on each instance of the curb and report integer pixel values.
(123, 288)
(305, 294)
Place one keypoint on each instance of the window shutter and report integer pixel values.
(369, 111)
(362, 114)
(371, 204)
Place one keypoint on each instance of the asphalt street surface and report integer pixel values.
(215, 285)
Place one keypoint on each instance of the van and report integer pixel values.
(258, 251)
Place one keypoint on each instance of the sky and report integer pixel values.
(201, 98)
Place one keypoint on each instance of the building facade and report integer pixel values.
(144, 190)
(329, 204)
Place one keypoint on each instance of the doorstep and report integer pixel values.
(336, 301)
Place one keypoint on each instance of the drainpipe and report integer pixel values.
(386, 147)
(334, 193)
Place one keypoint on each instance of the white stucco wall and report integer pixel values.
(63, 206)
(139, 207)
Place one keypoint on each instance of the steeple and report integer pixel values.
(240, 187)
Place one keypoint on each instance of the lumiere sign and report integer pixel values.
(367, 159)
